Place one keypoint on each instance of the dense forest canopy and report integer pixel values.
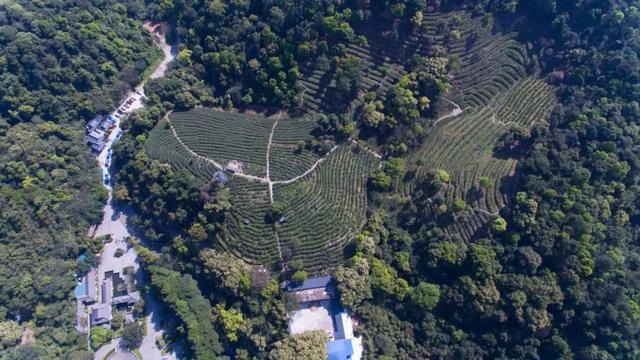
(553, 274)
(61, 62)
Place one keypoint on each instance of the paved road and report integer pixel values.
(115, 225)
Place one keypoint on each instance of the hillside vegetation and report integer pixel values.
(61, 62)
(320, 201)
(500, 102)
(506, 230)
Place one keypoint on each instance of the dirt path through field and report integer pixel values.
(265, 179)
(268, 177)
(313, 167)
(457, 110)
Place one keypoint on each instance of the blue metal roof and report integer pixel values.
(313, 283)
(340, 349)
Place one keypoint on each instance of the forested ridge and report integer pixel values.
(61, 62)
(552, 275)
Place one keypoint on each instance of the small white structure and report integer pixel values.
(234, 167)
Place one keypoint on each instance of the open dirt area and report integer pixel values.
(311, 318)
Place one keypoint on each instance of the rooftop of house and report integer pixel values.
(234, 166)
(80, 290)
(312, 283)
(96, 134)
(100, 313)
(340, 349)
(94, 122)
(344, 327)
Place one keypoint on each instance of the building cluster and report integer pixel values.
(98, 130)
(320, 310)
(116, 291)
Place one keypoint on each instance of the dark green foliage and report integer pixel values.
(132, 335)
(181, 293)
(61, 62)
(554, 276)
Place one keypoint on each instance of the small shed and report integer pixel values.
(233, 166)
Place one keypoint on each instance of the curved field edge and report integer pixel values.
(498, 94)
(324, 209)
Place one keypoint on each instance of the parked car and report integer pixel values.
(106, 179)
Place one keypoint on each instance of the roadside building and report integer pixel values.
(86, 290)
(97, 129)
(93, 123)
(319, 310)
(119, 290)
(340, 350)
(100, 314)
(344, 345)
(95, 140)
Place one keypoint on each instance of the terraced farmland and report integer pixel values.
(163, 146)
(248, 235)
(285, 160)
(325, 209)
(224, 136)
(496, 92)
(324, 198)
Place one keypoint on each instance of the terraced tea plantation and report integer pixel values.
(324, 198)
(326, 208)
(497, 94)
(162, 145)
(225, 136)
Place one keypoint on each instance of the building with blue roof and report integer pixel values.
(340, 349)
(312, 283)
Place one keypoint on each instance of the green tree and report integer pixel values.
(10, 333)
(499, 225)
(307, 345)
(299, 276)
(132, 335)
(425, 295)
(100, 336)
(231, 320)
(353, 282)
(380, 181)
